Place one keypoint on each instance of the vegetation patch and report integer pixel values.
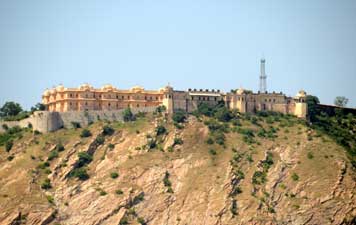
(85, 133)
(167, 183)
(114, 175)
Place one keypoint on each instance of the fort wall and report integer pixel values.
(45, 121)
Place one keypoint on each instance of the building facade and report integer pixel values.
(85, 97)
(109, 98)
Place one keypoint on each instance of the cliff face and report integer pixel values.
(278, 172)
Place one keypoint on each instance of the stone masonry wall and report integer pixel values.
(45, 121)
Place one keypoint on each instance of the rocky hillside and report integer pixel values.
(269, 169)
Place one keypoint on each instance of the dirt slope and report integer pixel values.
(295, 177)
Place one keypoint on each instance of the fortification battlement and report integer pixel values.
(204, 90)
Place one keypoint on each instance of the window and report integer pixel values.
(86, 103)
(70, 95)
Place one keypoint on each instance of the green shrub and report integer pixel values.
(177, 141)
(119, 192)
(179, 116)
(166, 181)
(124, 221)
(128, 115)
(111, 146)
(160, 129)
(212, 151)
(108, 130)
(223, 114)
(59, 147)
(8, 145)
(259, 177)
(141, 221)
(139, 198)
(295, 177)
(100, 139)
(52, 155)
(85, 133)
(160, 109)
(50, 199)
(310, 155)
(43, 165)
(10, 158)
(36, 132)
(84, 158)
(219, 138)
(210, 141)
(151, 143)
(249, 158)
(114, 175)
(46, 184)
(237, 190)
(233, 208)
(170, 190)
(102, 192)
(80, 173)
(14, 130)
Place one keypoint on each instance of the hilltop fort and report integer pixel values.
(87, 104)
(109, 98)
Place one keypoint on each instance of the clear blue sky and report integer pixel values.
(308, 44)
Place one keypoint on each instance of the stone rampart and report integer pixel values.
(45, 121)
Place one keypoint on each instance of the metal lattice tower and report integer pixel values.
(263, 77)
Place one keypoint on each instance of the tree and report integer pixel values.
(312, 102)
(10, 109)
(223, 114)
(128, 115)
(38, 107)
(179, 116)
(341, 101)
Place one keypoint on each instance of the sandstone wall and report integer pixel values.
(45, 121)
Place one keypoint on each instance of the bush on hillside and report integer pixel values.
(8, 145)
(85, 133)
(108, 130)
(179, 116)
(160, 129)
(128, 115)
